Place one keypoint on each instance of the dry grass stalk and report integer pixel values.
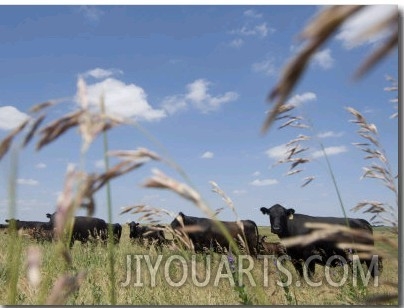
(307, 180)
(391, 23)
(148, 211)
(226, 198)
(56, 128)
(381, 299)
(317, 32)
(294, 148)
(65, 203)
(140, 153)
(323, 231)
(381, 170)
(6, 143)
(33, 129)
(230, 204)
(160, 180)
(34, 260)
(96, 182)
(393, 88)
(90, 124)
(39, 107)
(63, 287)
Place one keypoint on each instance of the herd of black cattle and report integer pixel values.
(206, 234)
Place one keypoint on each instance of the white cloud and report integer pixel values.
(125, 100)
(99, 164)
(173, 104)
(237, 43)
(266, 66)
(330, 134)
(256, 173)
(277, 152)
(198, 96)
(100, 73)
(323, 59)
(29, 182)
(239, 191)
(354, 27)
(330, 151)
(207, 155)
(40, 166)
(252, 14)
(91, 13)
(11, 117)
(299, 99)
(265, 182)
(260, 30)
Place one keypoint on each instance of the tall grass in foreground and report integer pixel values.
(95, 285)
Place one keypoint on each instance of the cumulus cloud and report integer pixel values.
(353, 28)
(266, 66)
(91, 13)
(198, 96)
(252, 14)
(207, 155)
(277, 152)
(236, 43)
(100, 73)
(299, 99)
(323, 59)
(174, 104)
(40, 166)
(330, 134)
(256, 173)
(121, 99)
(260, 30)
(99, 164)
(265, 182)
(330, 151)
(29, 182)
(11, 117)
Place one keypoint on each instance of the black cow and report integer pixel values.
(285, 223)
(27, 224)
(84, 227)
(116, 231)
(207, 234)
(140, 233)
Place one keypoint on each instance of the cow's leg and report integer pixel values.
(375, 269)
(298, 266)
(311, 268)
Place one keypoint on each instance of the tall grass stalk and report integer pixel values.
(14, 251)
(109, 206)
(334, 181)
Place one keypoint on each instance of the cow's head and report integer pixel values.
(133, 229)
(178, 221)
(278, 217)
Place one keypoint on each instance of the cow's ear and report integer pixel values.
(289, 213)
(264, 210)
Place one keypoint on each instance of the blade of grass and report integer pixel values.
(109, 205)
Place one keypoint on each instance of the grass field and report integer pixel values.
(95, 288)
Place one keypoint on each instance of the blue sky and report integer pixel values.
(196, 78)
